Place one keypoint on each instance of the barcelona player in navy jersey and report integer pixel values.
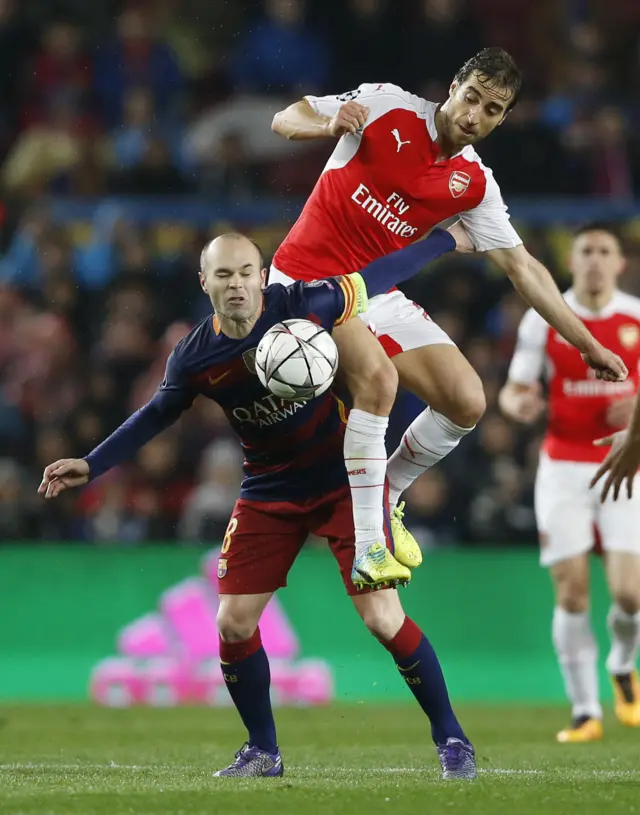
(295, 483)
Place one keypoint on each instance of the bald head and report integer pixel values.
(229, 243)
(232, 274)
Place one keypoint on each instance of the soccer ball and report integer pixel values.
(296, 359)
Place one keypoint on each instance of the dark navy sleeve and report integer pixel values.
(383, 273)
(336, 299)
(170, 400)
(322, 301)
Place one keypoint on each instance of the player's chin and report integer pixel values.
(465, 137)
(238, 313)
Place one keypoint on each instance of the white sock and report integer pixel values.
(624, 630)
(365, 457)
(578, 656)
(429, 438)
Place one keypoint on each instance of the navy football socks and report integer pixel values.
(420, 668)
(245, 668)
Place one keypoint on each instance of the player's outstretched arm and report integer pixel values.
(533, 281)
(337, 299)
(623, 459)
(122, 445)
(300, 121)
(383, 273)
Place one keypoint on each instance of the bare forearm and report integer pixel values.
(537, 287)
(300, 121)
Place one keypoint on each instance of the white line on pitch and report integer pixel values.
(328, 770)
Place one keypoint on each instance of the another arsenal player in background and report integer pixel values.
(401, 166)
(582, 409)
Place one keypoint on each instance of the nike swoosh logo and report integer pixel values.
(214, 381)
(410, 668)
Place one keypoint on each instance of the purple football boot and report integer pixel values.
(457, 759)
(252, 762)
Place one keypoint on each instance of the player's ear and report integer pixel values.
(452, 87)
(203, 282)
(264, 274)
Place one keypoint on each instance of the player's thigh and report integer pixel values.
(364, 368)
(570, 578)
(565, 510)
(260, 545)
(332, 518)
(428, 362)
(442, 377)
(239, 614)
(619, 526)
(623, 577)
(381, 612)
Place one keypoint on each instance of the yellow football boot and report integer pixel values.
(376, 567)
(626, 691)
(582, 730)
(406, 549)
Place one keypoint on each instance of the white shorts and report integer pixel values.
(398, 323)
(568, 512)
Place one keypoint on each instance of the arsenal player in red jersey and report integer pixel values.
(581, 409)
(401, 166)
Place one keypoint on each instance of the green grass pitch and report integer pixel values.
(361, 760)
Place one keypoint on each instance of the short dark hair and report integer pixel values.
(235, 235)
(599, 226)
(497, 68)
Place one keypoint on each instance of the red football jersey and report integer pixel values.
(578, 402)
(383, 188)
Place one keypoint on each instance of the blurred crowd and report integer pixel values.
(175, 97)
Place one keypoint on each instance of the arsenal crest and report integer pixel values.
(222, 567)
(629, 335)
(249, 358)
(459, 183)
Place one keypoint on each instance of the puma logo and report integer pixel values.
(396, 133)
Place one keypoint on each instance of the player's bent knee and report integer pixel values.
(382, 619)
(572, 592)
(628, 599)
(374, 389)
(571, 584)
(383, 384)
(235, 627)
(469, 407)
(573, 599)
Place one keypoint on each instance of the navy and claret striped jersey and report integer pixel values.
(293, 450)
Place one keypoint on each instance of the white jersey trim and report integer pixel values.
(528, 361)
(488, 224)
(380, 98)
(620, 303)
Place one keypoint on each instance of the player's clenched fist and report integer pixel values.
(63, 474)
(349, 119)
(606, 364)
